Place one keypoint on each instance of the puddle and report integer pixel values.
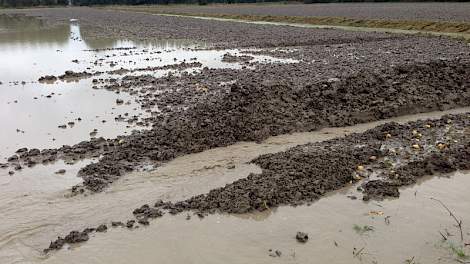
(39, 179)
(35, 114)
(31, 222)
(32, 111)
(407, 234)
(35, 207)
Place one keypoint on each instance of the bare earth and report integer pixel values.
(339, 78)
(455, 12)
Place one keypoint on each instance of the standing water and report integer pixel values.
(35, 207)
(32, 111)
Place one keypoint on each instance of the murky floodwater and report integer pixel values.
(35, 207)
(407, 234)
(33, 218)
(31, 111)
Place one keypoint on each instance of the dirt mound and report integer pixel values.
(455, 157)
(252, 111)
(255, 112)
(305, 173)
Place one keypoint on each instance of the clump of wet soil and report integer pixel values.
(71, 75)
(180, 66)
(254, 111)
(301, 237)
(67, 76)
(47, 78)
(75, 237)
(234, 58)
(454, 156)
(383, 158)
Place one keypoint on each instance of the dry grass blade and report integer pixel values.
(443, 236)
(459, 222)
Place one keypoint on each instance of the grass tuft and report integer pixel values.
(363, 229)
(458, 251)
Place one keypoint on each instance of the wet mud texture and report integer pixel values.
(254, 111)
(75, 237)
(71, 75)
(383, 158)
(234, 58)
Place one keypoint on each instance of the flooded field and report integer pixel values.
(33, 112)
(235, 136)
(398, 232)
(53, 112)
(42, 207)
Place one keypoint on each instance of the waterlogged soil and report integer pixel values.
(387, 157)
(40, 214)
(101, 23)
(370, 77)
(276, 80)
(329, 222)
(253, 112)
(60, 100)
(395, 154)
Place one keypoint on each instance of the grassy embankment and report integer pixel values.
(456, 29)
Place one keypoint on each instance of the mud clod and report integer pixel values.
(159, 203)
(101, 228)
(117, 224)
(302, 237)
(378, 190)
(143, 221)
(130, 223)
(47, 78)
(22, 150)
(276, 253)
(234, 58)
(72, 238)
(12, 158)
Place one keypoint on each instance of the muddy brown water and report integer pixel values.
(412, 232)
(31, 111)
(35, 206)
(32, 218)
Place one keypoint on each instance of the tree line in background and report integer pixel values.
(163, 2)
(26, 3)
